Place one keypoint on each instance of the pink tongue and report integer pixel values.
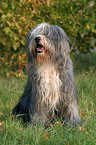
(39, 48)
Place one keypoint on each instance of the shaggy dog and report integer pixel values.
(50, 91)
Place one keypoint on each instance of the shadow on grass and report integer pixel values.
(84, 62)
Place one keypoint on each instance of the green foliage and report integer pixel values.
(77, 18)
(12, 131)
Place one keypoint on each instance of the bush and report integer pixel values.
(77, 18)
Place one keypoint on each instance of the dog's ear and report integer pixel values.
(61, 33)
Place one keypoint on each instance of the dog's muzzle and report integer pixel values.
(39, 47)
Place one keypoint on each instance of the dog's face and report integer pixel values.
(45, 41)
(39, 45)
(40, 48)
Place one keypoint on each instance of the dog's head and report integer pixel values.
(45, 41)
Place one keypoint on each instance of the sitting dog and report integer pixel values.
(50, 91)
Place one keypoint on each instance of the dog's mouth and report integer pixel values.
(39, 48)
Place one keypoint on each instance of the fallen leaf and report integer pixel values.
(57, 123)
(21, 129)
(84, 129)
(82, 113)
(45, 136)
(81, 128)
(1, 126)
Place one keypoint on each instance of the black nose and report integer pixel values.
(37, 39)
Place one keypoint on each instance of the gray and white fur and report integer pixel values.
(50, 91)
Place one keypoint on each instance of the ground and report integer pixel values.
(12, 130)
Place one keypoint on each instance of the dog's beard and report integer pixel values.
(49, 85)
(42, 58)
(48, 79)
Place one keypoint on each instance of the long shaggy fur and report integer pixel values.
(50, 91)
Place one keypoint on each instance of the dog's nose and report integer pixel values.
(37, 39)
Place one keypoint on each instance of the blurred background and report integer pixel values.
(18, 17)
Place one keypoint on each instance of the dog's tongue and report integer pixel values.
(39, 49)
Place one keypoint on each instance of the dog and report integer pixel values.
(50, 91)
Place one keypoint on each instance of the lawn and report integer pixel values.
(12, 131)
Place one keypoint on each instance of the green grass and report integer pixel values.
(12, 131)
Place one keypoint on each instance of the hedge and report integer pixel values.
(77, 18)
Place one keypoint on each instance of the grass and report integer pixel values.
(12, 130)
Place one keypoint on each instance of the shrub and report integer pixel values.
(77, 18)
